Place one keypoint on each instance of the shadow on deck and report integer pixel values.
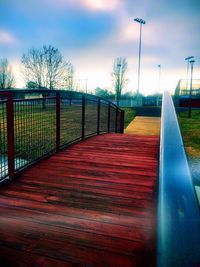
(93, 204)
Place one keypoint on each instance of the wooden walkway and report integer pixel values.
(93, 204)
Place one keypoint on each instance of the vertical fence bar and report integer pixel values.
(10, 135)
(122, 121)
(98, 115)
(116, 117)
(108, 118)
(57, 121)
(83, 116)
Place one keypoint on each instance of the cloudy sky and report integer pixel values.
(92, 33)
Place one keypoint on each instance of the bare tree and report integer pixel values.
(6, 76)
(119, 76)
(45, 67)
(33, 62)
(70, 77)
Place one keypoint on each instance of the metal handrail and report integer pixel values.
(178, 210)
(50, 115)
(54, 91)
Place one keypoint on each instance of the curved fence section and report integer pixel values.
(178, 210)
(36, 123)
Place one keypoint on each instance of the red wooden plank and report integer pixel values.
(60, 209)
(84, 183)
(136, 178)
(93, 204)
(37, 192)
(104, 228)
(12, 227)
(11, 257)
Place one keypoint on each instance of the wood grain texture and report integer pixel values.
(93, 204)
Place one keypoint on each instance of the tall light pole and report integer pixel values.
(190, 96)
(159, 77)
(79, 85)
(140, 21)
(188, 62)
(118, 82)
(86, 85)
(159, 91)
(70, 83)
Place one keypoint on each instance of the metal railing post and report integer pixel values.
(122, 121)
(108, 118)
(98, 115)
(57, 121)
(116, 117)
(83, 116)
(10, 136)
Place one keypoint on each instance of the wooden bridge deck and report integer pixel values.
(93, 204)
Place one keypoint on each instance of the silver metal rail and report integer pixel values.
(178, 210)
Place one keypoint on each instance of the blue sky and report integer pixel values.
(92, 33)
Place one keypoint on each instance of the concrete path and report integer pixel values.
(144, 126)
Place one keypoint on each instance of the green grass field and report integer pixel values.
(190, 129)
(129, 115)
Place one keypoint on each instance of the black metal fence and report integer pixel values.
(36, 123)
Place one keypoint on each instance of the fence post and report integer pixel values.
(116, 117)
(83, 117)
(10, 135)
(57, 122)
(122, 121)
(108, 118)
(98, 115)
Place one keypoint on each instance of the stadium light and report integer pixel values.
(190, 96)
(188, 60)
(141, 22)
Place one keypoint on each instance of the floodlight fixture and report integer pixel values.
(188, 58)
(140, 21)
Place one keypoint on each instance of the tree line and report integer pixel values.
(46, 68)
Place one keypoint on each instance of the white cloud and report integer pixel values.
(17, 71)
(128, 33)
(7, 38)
(128, 30)
(101, 4)
(96, 5)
